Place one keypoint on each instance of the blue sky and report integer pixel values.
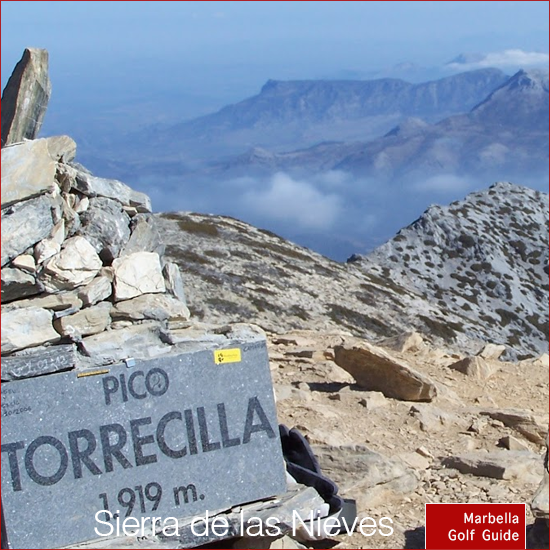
(261, 40)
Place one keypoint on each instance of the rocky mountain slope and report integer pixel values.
(393, 456)
(507, 133)
(475, 271)
(484, 258)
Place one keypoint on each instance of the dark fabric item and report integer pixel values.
(302, 465)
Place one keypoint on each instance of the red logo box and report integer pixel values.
(475, 526)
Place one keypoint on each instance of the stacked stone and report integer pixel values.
(82, 262)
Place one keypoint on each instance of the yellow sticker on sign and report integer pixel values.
(227, 356)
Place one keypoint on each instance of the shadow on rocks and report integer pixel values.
(415, 538)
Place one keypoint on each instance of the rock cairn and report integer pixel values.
(84, 279)
(82, 262)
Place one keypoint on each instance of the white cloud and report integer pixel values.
(443, 183)
(287, 200)
(503, 59)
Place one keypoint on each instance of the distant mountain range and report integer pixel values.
(507, 131)
(290, 114)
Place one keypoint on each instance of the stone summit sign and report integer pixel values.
(170, 437)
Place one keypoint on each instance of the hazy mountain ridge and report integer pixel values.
(294, 287)
(287, 113)
(507, 131)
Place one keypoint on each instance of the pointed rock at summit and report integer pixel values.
(25, 97)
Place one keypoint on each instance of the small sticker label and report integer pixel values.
(227, 356)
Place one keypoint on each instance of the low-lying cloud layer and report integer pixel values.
(502, 60)
(297, 202)
(334, 213)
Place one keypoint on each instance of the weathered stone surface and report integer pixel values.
(25, 262)
(58, 233)
(512, 444)
(90, 320)
(45, 249)
(137, 273)
(476, 367)
(492, 351)
(27, 171)
(368, 474)
(174, 281)
(17, 284)
(145, 236)
(25, 97)
(106, 227)
(533, 428)
(76, 265)
(61, 148)
(66, 178)
(415, 460)
(408, 341)
(432, 419)
(55, 359)
(55, 302)
(521, 465)
(376, 370)
(93, 186)
(99, 289)
(25, 328)
(373, 400)
(24, 224)
(284, 392)
(138, 341)
(151, 306)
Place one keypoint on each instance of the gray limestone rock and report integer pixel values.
(25, 97)
(61, 148)
(25, 262)
(106, 226)
(45, 249)
(376, 370)
(476, 367)
(17, 284)
(138, 273)
(533, 428)
(99, 289)
(27, 365)
(368, 474)
(91, 320)
(492, 351)
(138, 341)
(145, 236)
(403, 342)
(26, 328)
(24, 224)
(55, 302)
(151, 306)
(521, 465)
(93, 186)
(66, 177)
(76, 265)
(27, 171)
(174, 281)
